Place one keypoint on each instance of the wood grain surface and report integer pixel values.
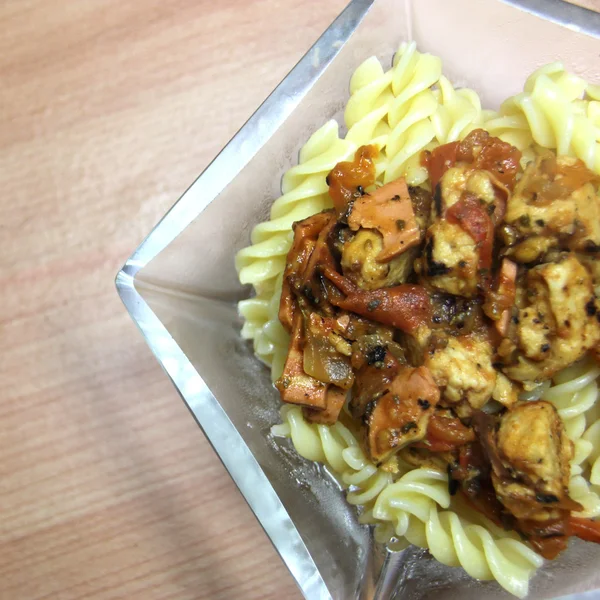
(109, 109)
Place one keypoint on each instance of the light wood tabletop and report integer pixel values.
(109, 109)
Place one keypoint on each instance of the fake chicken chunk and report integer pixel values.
(558, 323)
(462, 368)
(554, 205)
(451, 260)
(400, 416)
(530, 462)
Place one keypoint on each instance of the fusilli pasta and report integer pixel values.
(556, 110)
(336, 447)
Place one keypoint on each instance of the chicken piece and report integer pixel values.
(400, 416)
(558, 322)
(505, 391)
(359, 260)
(462, 368)
(530, 452)
(554, 205)
(465, 178)
(388, 210)
(360, 265)
(451, 260)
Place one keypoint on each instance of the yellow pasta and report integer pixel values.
(556, 110)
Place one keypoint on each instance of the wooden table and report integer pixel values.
(108, 110)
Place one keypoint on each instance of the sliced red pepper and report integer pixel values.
(405, 307)
(585, 529)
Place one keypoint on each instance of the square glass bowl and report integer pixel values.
(181, 288)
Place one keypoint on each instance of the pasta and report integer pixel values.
(337, 448)
(404, 111)
(556, 110)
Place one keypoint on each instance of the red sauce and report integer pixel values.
(471, 214)
(479, 149)
(346, 177)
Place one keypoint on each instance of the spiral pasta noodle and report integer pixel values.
(336, 447)
(556, 110)
(482, 549)
(409, 507)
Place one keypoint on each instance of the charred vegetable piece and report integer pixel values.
(405, 306)
(322, 357)
(401, 415)
(306, 236)
(529, 454)
(376, 367)
(445, 432)
(501, 297)
(348, 180)
(389, 210)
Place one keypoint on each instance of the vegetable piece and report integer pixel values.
(439, 161)
(294, 385)
(404, 306)
(479, 149)
(348, 179)
(306, 235)
(376, 368)
(322, 360)
(445, 433)
(585, 529)
(401, 415)
(389, 210)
